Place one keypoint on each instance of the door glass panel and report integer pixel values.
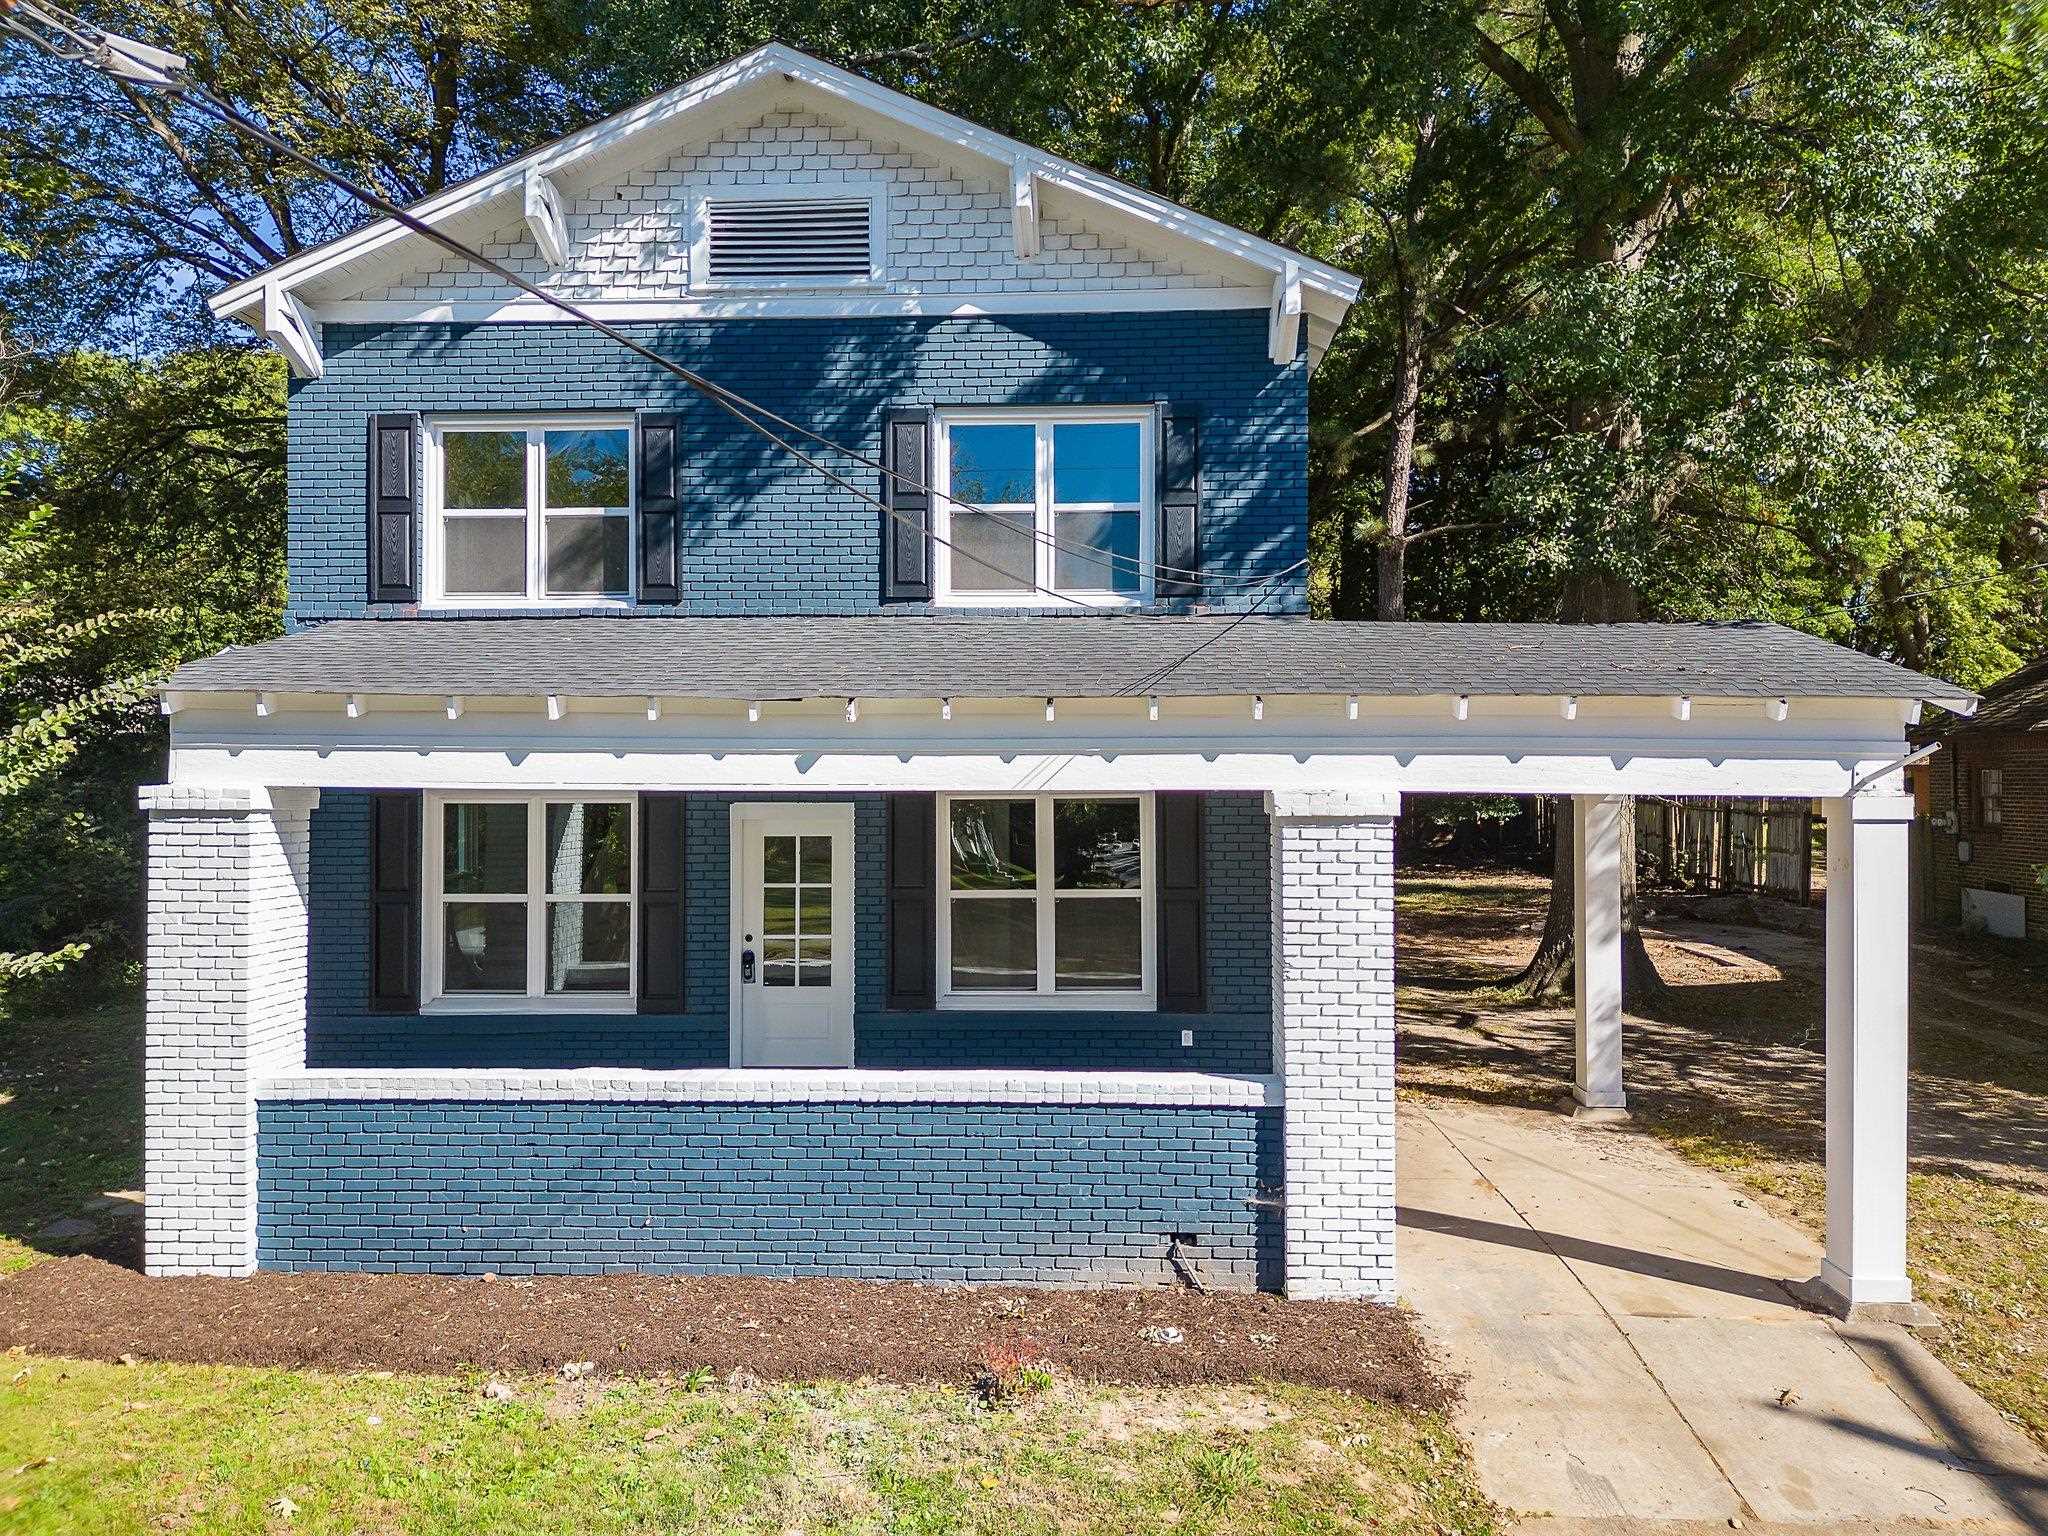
(816, 912)
(483, 849)
(588, 946)
(817, 861)
(1095, 845)
(778, 909)
(815, 962)
(778, 858)
(994, 845)
(589, 849)
(484, 948)
(1096, 945)
(778, 962)
(995, 945)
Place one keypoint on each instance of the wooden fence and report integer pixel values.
(1763, 846)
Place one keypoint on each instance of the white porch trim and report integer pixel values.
(1596, 959)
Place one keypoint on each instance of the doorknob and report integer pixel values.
(746, 965)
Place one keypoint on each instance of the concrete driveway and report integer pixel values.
(1634, 1363)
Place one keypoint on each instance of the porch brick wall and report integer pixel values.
(225, 1007)
(1333, 1027)
(1039, 1194)
(1235, 1035)
(764, 535)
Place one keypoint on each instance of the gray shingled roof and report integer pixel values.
(983, 656)
(2017, 702)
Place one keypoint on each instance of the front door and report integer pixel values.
(792, 933)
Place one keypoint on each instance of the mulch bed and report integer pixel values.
(777, 1330)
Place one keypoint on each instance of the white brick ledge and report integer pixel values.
(1209, 1090)
(203, 799)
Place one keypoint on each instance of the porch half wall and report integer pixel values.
(1235, 1034)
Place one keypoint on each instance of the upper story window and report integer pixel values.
(525, 511)
(1033, 503)
(810, 235)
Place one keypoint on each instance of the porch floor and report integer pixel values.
(1633, 1362)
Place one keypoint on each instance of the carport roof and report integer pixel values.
(1030, 656)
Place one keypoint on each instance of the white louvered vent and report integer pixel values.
(749, 241)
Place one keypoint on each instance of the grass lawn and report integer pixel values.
(105, 1448)
(1730, 1073)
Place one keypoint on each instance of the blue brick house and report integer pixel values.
(867, 799)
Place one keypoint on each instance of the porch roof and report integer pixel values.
(1030, 656)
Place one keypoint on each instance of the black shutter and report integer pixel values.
(395, 871)
(394, 489)
(1180, 505)
(913, 900)
(662, 938)
(1182, 973)
(658, 500)
(907, 524)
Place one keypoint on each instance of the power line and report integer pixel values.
(126, 59)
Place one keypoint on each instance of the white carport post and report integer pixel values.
(1596, 960)
(1868, 938)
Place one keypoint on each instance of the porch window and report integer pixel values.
(529, 511)
(530, 898)
(1037, 507)
(1048, 901)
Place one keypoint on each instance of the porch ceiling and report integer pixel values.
(1032, 656)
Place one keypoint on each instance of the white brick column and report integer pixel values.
(1596, 955)
(1333, 1036)
(226, 1006)
(1865, 1268)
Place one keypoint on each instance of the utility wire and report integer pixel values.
(93, 46)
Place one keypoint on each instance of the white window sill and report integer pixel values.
(539, 1007)
(515, 604)
(1036, 601)
(1042, 1002)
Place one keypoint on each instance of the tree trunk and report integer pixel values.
(1393, 551)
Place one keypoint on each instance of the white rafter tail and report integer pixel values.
(1681, 707)
(1909, 711)
(266, 705)
(1258, 706)
(287, 327)
(853, 711)
(1778, 709)
(545, 220)
(1461, 707)
(1024, 209)
(453, 704)
(753, 711)
(557, 707)
(1152, 706)
(945, 709)
(353, 708)
(1051, 714)
(653, 707)
(170, 703)
(1283, 326)
(1350, 706)
(1568, 706)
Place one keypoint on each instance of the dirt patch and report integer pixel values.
(778, 1330)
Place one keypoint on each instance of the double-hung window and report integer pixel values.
(1044, 507)
(526, 511)
(529, 899)
(1046, 900)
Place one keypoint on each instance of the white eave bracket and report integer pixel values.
(1024, 208)
(545, 220)
(287, 327)
(1283, 329)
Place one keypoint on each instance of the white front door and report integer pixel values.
(792, 935)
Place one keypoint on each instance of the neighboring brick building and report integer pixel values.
(1987, 805)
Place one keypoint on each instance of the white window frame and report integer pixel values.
(876, 193)
(536, 999)
(1045, 520)
(1043, 896)
(536, 426)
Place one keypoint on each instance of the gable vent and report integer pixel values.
(788, 239)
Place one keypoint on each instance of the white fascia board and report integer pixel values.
(1004, 154)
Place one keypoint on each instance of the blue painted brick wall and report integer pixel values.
(765, 534)
(1235, 1035)
(1043, 1194)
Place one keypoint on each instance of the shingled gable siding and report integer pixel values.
(1235, 1035)
(762, 534)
